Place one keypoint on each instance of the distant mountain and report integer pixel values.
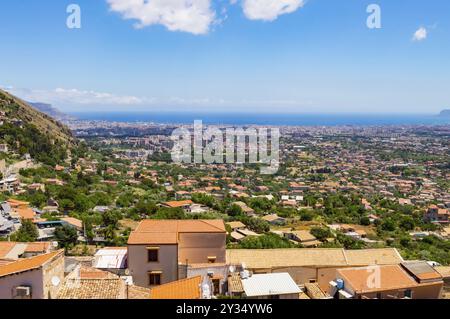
(51, 111)
(445, 113)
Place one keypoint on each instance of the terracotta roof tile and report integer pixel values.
(152, 231)
(181, 203)
(27, 263)
(92, 289)
(391, 277)
(5, 248)
(188, 288)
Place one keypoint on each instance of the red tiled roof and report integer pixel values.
(188, 288)
(152, 231)
(26, 264)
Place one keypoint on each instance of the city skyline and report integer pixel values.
(228, 56)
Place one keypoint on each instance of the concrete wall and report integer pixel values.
(196, 247)
(32, 278)
(286, 296)
(51, 270)
(40, 280)
(428, 291)
(140, 267)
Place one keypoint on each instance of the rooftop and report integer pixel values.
(270, 284)
(188, 288)
(391, 277)
(151, 231)
(27, 264)
(273, 258)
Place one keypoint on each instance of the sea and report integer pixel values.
(268, 119)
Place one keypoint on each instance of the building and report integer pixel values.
(37, 277)
(274, 219)
(13, 250)
(159, 251)
(269, 286)
(90, 283)
(435, 214)
(304, 237)
(405, 281)
(188, 288)
(112, 259)
(309, 265)
(184, 204)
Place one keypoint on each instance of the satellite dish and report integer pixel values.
(231, 268)
(55, 244)
(127, 272)
(56, 281)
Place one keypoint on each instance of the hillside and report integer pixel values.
(26, 130)
(445, 113)
(50, 111)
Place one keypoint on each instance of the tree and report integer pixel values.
(27, 233)
(234, 210)
(407, 223)
(388, 225)
(321, 233)
(306, 215)
(66, 236)
(365, 221)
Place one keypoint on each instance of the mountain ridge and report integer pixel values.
(28, 131)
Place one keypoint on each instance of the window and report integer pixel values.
(152, 254)
(408, 293)
(274, 297)
(154, 279)
(216, 286)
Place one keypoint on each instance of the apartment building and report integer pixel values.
(160, 251)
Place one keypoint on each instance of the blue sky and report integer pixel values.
(316, 56)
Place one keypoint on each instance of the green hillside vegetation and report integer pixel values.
(27, 130)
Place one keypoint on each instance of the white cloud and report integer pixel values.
(193, 16)
(269, 10)
(76, 97)
(420, 35)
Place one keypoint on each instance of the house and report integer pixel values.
(434, 214)
(387, 282)
(159, 251)
(309, 265)
(14, 250)
(236, 225)
(20, 209)
(269, 286)
(188, 288)
(74, 222)
(444, 271)
(89, 283)
(9, 184)
(112, 259)
(183, 204)
(37, 277)
(245, 209)
(274, 219)
(303, 237)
